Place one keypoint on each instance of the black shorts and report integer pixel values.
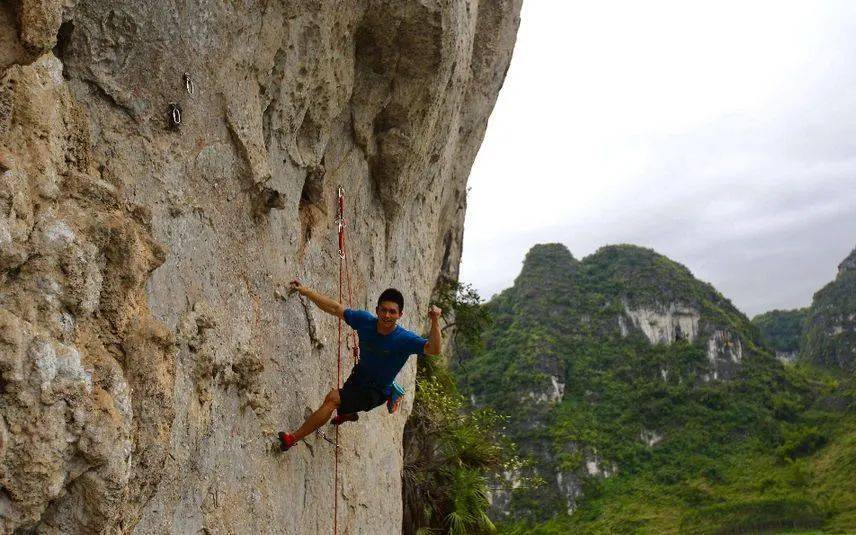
(355, 397)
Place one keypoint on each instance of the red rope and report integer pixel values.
(341, 217)
(344, 275)
(353, 337)
(338, 385)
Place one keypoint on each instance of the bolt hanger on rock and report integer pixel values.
(174, 115)
(188, 83)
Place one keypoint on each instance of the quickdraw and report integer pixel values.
(340, 219)
(325, 437)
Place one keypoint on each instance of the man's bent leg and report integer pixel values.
(319, 417)
(339, 419)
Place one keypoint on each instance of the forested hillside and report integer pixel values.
(645, 400)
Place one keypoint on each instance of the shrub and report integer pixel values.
(758, 516)
(801, 442)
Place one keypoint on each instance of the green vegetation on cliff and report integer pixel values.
(830, 336)
(782, 330)
(450, 450)
(647, 402)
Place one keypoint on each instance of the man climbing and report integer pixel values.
(385, 347)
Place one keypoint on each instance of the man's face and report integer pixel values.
(388, 313)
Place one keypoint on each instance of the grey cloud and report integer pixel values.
(762, 203)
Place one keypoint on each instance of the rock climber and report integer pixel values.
(385, 347)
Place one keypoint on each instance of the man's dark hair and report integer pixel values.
(394, 296)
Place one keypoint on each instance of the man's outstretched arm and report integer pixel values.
(324, 303)
(435, 340)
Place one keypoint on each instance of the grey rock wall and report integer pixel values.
(146, 362)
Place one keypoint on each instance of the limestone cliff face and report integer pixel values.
(165, 167)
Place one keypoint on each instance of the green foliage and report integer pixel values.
(750, 447)
(449, 453)
(830, 335)
(469, 514)
(462, 302)
(753, 516)
(782, 330)
(450, 449)
(800, 442)
(786, 405)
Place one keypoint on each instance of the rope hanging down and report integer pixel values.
(352, 342)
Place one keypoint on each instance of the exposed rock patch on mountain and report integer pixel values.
(601, 362)
(164, 169)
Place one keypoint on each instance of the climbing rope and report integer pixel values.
(338, 366)
(352, 341)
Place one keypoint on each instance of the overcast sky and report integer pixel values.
(721, 134)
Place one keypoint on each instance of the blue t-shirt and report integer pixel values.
(381, 356)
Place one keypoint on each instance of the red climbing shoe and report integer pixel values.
(286, 441)
(339, 419)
